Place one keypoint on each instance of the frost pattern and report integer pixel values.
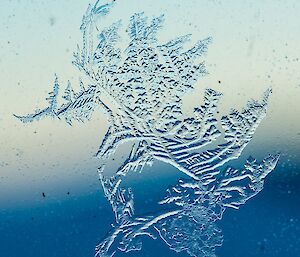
(141, 89)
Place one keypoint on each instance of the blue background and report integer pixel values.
(256, 44)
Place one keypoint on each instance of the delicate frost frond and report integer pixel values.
(94, 12)
(137, 26)
(138, 158)
(78, 106)
(49, 111)
(152, 29)
(69, 95)
(140, 89)
(237, 186)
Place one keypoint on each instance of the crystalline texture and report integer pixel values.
(140, 88)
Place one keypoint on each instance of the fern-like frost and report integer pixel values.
(140, 88)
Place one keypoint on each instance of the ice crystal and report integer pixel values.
(140, 88)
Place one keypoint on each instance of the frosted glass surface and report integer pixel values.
(147, 136)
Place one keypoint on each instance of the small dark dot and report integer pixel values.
(219, 81)
(43, 194)
(68, 193)
(52, 21)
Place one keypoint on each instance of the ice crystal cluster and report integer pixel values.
(140, 88)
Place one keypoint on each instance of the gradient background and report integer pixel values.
(256, 44)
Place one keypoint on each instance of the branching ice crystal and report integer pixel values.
(140, 89)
